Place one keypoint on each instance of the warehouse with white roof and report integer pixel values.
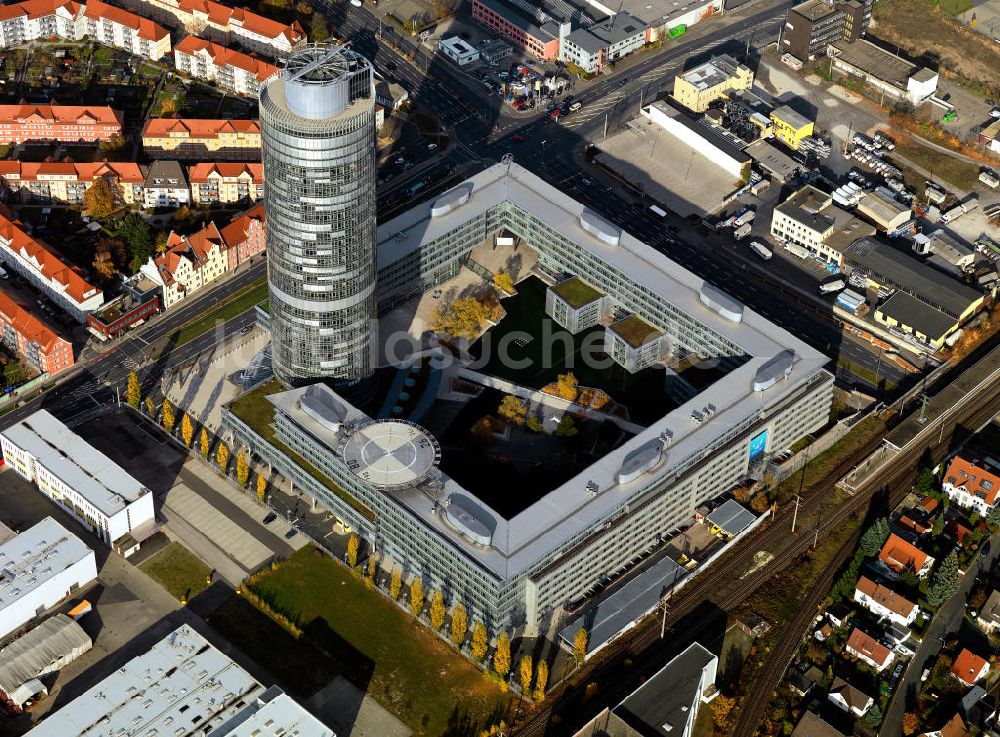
(182, 687)
(38, 569)
(81, 480)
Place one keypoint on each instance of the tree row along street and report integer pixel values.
(616, 671)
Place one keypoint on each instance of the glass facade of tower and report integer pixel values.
(317, 119)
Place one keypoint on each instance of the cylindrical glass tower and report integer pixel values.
(317, 122)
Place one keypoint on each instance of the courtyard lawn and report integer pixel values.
(417, 677)
(178, 570)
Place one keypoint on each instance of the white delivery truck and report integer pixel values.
(761, 250)
(741, 232)
(743, 217)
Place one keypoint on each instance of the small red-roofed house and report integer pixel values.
(869, 650)
(901, 556)
(969, 668)
(969, 484)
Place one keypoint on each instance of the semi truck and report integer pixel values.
(832, 286)
(761, 250)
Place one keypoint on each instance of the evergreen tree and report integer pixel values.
(874, 716)
(874, 537)
(945, 582)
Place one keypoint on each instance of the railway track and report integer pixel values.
(715, 585)
(899, 478)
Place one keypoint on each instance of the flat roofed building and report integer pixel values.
(633, 343)
(882, 208)
(540, 39)
(885, 266)
(989, 616)
(189, 138)
(80, 479)
(812, 26)
(518, 567)
(710, 142)
(730, 518)
(953, 251)
(41, 265)
(886, 72)
(40, 652)
(65, 123)
(182, 687)
(696, 88)
(22, 332)
(458, 50)
(38, 569)
(808, 218)
(575, 305)
(913, 318)
(790, 127)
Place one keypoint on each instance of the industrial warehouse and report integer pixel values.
(386, 476)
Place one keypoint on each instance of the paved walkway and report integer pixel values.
(351, 713)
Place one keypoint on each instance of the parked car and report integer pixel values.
(271, 517)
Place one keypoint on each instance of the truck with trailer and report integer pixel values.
(761, 250)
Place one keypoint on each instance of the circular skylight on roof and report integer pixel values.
(391, 454)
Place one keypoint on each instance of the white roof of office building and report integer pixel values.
(178, 688)
(33, 558)
(273, 714)
(77, 463)
(570, 509)
(33, 654)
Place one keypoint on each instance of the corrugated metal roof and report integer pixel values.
(48, 647)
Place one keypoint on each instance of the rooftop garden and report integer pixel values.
(635, 331)
(576, 292)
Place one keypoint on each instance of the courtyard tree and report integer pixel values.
(395, 583)
(759, 503)
(580, 646)
(104, 266)
(319, 28)
(151, 407)
(480, 641)
(416, 596)
(482, 431)
(541, 681)
(113, 143)
(464, 318)
(567, 427)
(352, 551)
(138, 238)
(526, 672)
(167, 409)
(261, 487)
(222, 457)
(204, 444)
(437, 610)
(503, 282)
(187, 429)
(513, 409)
(133, 390)
(567, 386)
(534, 423)
(501, 657)
(242, 469)
(459, 625)
(100, 199)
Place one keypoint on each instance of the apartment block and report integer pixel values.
(188, 138)
(39, 264)
(223, 24)
(66, 182)
(165, 185)
(697, 88)
(231, 70)
(226, 183)
(244, 237)
(121, 29)
(22, 332)
(815, 24)
(188, 264)
(66, 123)
(35, 19)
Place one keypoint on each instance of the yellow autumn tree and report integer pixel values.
(150, 407)
(352, 551)
(480, 641)
(395, 583)
(416, 596)
(370, 572)
(187, 429)
(541, 681)
(204, 444)
(261, 488)
(567, 386)
(437, 611)
(513, 409)
(242, 469)
(527, 671)
(222, 457)
(722, 711)
(580, 645)
(459, 625)
(503, 282)
(464, 318)
(168, 415)
(133, 390)
(501, 657)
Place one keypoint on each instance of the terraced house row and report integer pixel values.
(230, 70)
(72, 21)
(209, 183)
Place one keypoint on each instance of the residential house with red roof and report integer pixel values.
(188, 264)
(190, 138)
(955, 727)
(38, 19)
(231, 70)
(971, 485)
(223, 24)
(226, 182)
(901, 556)
(37, 262)
(869, 650)
(882, 601)
(969, 667)
(245, 236)
(121, 29)
(66, 123)
(66, 182)
(22, 332)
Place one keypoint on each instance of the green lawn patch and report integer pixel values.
(414, 675)
(952, 169)
(178, 570)
(230, 307)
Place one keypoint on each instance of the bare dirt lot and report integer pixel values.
(927, 35)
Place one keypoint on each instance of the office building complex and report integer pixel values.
(318, 147)
(182, 687)
(812, 26)
(380, 474)
(98, 492)
(41, 567)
